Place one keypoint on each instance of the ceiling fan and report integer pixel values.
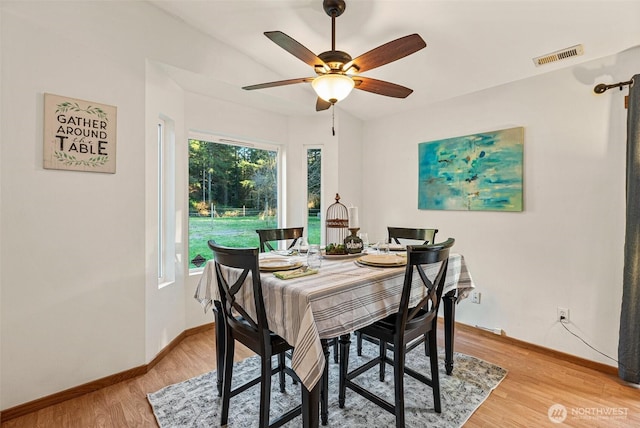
(337, 72)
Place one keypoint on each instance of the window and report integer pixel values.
(161, 214)
(314, 194)
(166, 202)
(233, 190)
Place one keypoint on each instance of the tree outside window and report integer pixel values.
(233, 190)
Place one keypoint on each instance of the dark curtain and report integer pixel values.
(629, 340)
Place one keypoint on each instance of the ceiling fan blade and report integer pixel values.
(295, 48)
(389, 52)
(278, 83)
(322, 104)
(381, 87)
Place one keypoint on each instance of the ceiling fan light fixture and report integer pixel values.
(333, 87)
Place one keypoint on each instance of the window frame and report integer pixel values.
(166, 202)
(306, 148)
(240, 142)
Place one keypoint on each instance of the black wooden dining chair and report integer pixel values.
(424, 236)
(251, 329)
(267, 236)
(427, 236)
(401, 328)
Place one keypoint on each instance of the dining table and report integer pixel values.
(342, 296)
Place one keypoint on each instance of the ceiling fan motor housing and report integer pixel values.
(332, 7)
(334, 59)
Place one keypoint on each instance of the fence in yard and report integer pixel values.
(216, 211)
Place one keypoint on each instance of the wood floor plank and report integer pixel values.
(535, 382)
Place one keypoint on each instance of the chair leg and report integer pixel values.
(359, 343)
(344, 367)
(398, 382)
(281, 364)
(293, 379)
(383, 355)
(226, 380)
(220, 343)
(426, 344)
(435, 377)
(335, 350)
(265, 391)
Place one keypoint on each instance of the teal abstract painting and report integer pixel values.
(479, 172)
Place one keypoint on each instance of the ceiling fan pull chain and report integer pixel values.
(333, 119)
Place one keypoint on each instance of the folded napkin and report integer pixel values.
(297, 273)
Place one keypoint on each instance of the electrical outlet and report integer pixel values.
(563, 315)
(475, 297)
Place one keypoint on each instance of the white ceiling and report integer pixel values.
(471, 45)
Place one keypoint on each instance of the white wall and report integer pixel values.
(165, 317)
(78, 300)
(566, 247)
(79, 293)
(341, 159)
(73, 243)
(1, 238)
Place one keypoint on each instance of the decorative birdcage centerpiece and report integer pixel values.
(336, 227)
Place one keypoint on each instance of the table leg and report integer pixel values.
(449, 325)
(220, 339)
(344, 366)
(310, 401)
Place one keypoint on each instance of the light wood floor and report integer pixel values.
(535, 382)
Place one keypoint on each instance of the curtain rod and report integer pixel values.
(602, 88)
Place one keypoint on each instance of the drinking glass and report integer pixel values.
(383, 246)
(314, 256)
(301, 245)
(365, 240)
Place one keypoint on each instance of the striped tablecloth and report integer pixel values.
(340, 299)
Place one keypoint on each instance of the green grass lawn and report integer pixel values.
(235, 232)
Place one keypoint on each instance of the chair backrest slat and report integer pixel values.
(427, 236)
(245, 260)
(284, 234)
(418, 256)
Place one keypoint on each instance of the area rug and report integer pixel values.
(195, 402)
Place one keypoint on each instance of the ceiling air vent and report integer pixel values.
(559, 55)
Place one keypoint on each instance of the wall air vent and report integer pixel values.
(559, 55)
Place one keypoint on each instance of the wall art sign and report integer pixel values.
(479, 172)
(79, 135)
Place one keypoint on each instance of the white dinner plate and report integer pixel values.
(393, 247)
(383, 260)
(272, 265)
